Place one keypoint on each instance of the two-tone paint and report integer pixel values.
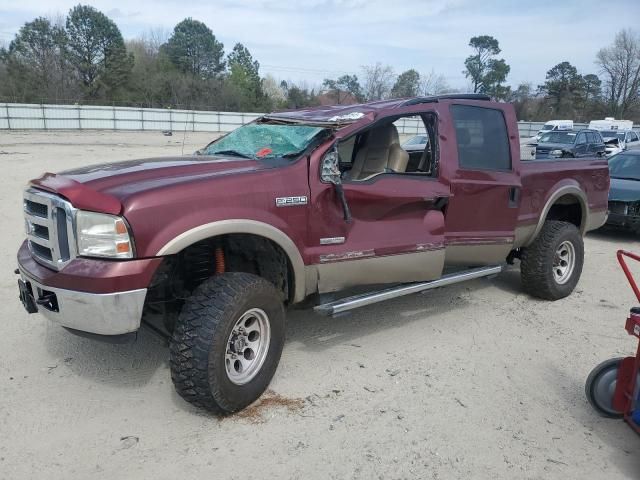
(405, 227)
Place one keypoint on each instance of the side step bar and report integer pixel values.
(356, 301)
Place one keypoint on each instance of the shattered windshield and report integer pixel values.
(261, 140)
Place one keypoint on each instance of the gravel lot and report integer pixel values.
(472, 381)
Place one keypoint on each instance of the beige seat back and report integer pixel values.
(380, 153)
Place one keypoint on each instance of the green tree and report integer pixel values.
(493, 80)
(97, 52)
(592, 87)
(407, 84)
(564, 86)
(244, 76)
(36, 60)
(194, 49)
(487, 73)
(344, 87)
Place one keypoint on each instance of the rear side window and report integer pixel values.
(481, 135)
(592, 137)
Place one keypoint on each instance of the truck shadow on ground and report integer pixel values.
(131, 365)
(624, 238)
(317, 332)
(597, 430)
(121, 365)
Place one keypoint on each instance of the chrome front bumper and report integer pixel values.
(100, 313)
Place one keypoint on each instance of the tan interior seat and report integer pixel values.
(380, 153)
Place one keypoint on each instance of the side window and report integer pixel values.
(633, 137)
(582, 139)
(345, 150)
(405, 145)
(591, 137)
(481, 135)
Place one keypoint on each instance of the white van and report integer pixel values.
(611, 123)
(555, 125)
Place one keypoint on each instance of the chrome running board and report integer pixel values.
(356, 301)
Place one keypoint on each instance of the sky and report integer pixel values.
(309, 40)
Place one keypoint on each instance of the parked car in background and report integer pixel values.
(617, 141)
(417, 142)
(624, 192)
(570, 144)
(420, 156)
(553, 125)
(610, 123)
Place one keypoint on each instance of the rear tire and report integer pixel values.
(551, 266)
(227, 342)
(600, 387)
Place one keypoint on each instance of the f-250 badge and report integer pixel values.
(291, 201)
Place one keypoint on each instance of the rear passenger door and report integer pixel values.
(581, 146)
(482, 212)
(596, 145)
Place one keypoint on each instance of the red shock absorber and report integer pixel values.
(220, 264)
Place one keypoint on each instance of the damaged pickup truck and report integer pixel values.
(212, 249)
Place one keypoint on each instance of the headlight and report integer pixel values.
(557, 153)
(102, 235)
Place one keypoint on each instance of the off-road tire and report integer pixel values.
(200, 341)
(536, 267)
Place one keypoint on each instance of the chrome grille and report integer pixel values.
(49, 221)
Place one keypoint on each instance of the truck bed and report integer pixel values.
(540, 178)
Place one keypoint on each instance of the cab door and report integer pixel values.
(396, 234)
(481, 216)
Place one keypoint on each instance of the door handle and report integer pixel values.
(514, 197)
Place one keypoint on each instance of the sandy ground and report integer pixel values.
(472, 381)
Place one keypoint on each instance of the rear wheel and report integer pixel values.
(600, 387)
(551, 266)
(227, 342)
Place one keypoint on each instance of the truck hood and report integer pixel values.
(624, 190)
(105, 187)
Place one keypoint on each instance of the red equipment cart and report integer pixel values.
(613, 387)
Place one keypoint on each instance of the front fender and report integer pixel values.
(247, 226)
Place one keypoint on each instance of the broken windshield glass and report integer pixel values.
(259, 140)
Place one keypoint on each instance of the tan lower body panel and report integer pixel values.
(523, 234)
(477, 254)
(596, 219)
(410, 267)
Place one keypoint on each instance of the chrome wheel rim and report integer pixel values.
(247, 346)
(564, 262)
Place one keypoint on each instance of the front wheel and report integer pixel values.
(600, 387)
(551, 266)
(227, 342)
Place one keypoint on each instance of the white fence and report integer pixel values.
(25, 116)
(22, 116)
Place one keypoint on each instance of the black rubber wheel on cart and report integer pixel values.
(600, 386)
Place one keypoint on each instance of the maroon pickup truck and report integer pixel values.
(210, 249)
